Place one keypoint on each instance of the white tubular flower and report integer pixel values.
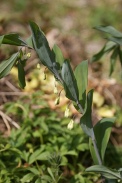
(57, 101)
(70, 125)
(38, 66)
(66, 114)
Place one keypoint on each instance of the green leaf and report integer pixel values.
(34, 170)
(41, 46)
(58, 55)
(46, 179)
(116, 40)
(120, 55)
(34, 156)
(38, 180)
(21, 75)
(71, 152)
(81, 75)
(110, 30)
(102, 132)
(86, 119)
(6, 66)
(98, 55)
(43, 50)
(2, 164)
(38, 155)
(12, 39)
(1, 39)
(29, 42)
(106, 49)
(43, 156)
(25, 155)
(69, 82)
(51, 174)
(106, 172)
(27, 178)
(113, 59)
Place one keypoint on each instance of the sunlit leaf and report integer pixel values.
(43, 156)
(51, 173)
(33, 170)
(106, 172)
(34, 156)
(72, 152)
(69, 81)
(58, 55)
(45, 179)
(6, 66)
(27, 178)
(110, 30)
(38, 180)
(81, 75)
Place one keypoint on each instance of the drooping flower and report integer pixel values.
(70, 125)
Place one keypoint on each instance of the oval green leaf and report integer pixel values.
(86, 119)
(81, 75)
(106, 172)
(12, 39)
(27, 178)
(113, 59)
(6, 66)
(69, 82)
(110, 30)
(41, 46)
(58, 55)
(102, 132)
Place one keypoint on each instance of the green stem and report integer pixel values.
(80, 107)
(97, 152)
(41, 172)
(2, 150)
(93, 139)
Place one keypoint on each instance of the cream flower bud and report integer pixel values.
(57, 101)
(38, 66)
(66, 113)
(70, 125)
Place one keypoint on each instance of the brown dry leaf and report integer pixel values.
(106, 111)
(98, 99)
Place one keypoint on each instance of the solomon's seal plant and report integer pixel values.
(74, 84)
